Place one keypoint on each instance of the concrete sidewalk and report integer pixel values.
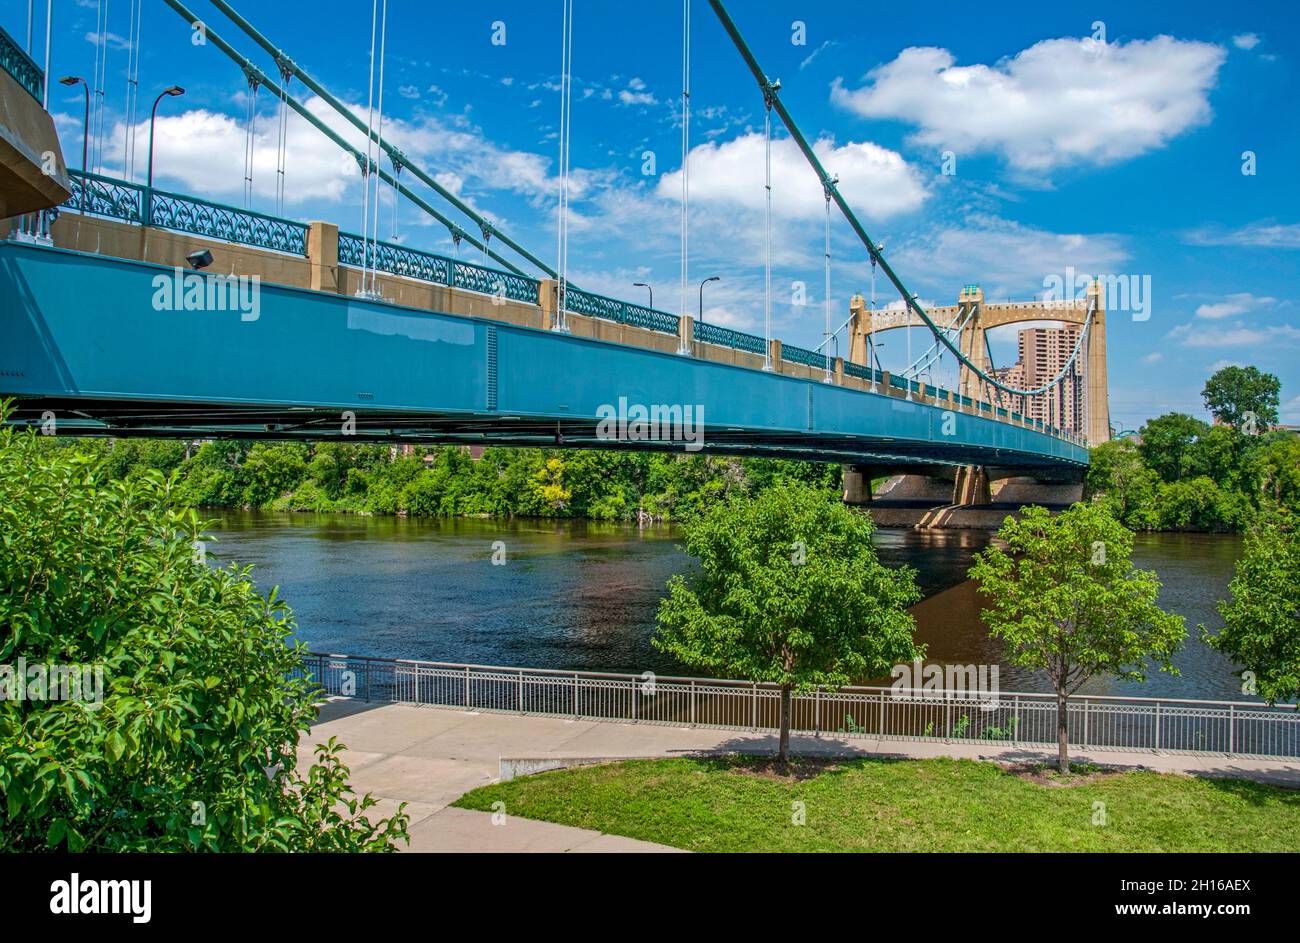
(429, 757)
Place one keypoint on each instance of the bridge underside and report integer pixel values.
(82, 338)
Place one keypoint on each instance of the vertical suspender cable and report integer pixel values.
(365, 171)
(132, 88)
(686, 149)
(49, 25)
(282, 138)
(374, 241)
(397, 171)
(31, 13)
(250, 140)
(767, 227)
(827, 287)
(96, 90)
(566, 104)
(871, 337)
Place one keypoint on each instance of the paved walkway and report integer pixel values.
(429, 757)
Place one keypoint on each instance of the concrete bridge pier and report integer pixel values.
(976, 496)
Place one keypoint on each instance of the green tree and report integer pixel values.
(1261, 629)
(1201, 505)
(1166, 439)
(189, 743)
(1233, 392)
(789, 592)
(1118, 476)
(1066, 600)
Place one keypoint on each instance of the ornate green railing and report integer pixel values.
(862, 373)
(172, 211)
(395, 259)
(429, 267)
(809, 358)
(490, 281)
(132, 203)
(105, 196)
(20, 65)
(707, 333)
(611, 309)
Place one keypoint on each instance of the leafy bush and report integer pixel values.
(190, 742)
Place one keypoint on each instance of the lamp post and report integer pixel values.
(171, 90)
(648, 287)
(711, 278)
(71, 80)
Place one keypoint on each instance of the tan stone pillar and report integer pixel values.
(1096, 386)
(547, 292)
(857, 484)
(685, 334)
(774, 352)
(839, 371)
(323, 253)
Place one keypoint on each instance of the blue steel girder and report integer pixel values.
(83, 336)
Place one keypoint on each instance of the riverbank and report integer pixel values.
(430, 758)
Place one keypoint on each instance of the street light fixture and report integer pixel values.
(651, 289)
(711, 278)
(172, 90)
(71, 80)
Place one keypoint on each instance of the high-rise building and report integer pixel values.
(1044, 352)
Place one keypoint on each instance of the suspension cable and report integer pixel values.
(771, 98)
(374, 242)
(250, 138)
(132, 89)
(100, 80)
(396, 159)
(282, 142)
(365, 170)
(566, 104)
(686, 150)
(769, 94)
(827, 288)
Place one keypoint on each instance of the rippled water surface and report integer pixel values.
(581, 595)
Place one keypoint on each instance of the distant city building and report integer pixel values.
(1044, 352)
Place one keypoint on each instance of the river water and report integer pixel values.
(583, 595)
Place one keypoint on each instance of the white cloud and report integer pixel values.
(816, 52)
(408, 91)
(636, 93)
(1008, 259)
(1260, 235)
(1232, 305)
(877, 182)
(193, 148)
(1059, 102)
(1245, 40)
(1238, 336)
(1154, 357)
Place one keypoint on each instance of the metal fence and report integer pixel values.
(21, 66)
(1153, 725)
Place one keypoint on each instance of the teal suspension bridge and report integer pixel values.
(321, 334)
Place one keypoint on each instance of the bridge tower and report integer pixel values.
(977, 317)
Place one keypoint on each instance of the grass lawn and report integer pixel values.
(741, 804)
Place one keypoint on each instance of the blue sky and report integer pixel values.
(1122, 156)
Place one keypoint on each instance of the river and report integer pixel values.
(582, 595)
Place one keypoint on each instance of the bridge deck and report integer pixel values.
(80, 336)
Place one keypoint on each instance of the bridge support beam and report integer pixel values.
(971, 486)
(857, 485)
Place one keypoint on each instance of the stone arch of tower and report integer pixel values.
(978, 318)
